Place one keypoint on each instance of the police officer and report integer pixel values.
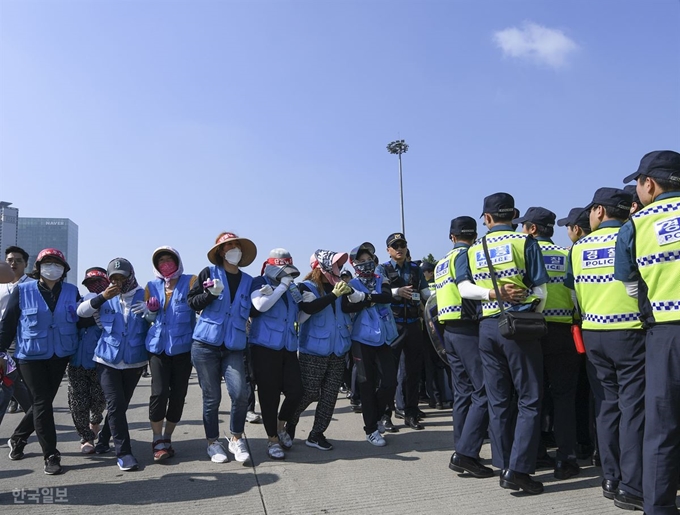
(648, 251)
(408, 284)
(615, 345)
(507, 364)
(461, 341)
(435, 374)
(577, 223)
(631, 189)
(560, 359)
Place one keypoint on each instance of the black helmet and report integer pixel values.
(426, 266)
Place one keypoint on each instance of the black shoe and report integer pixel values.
(438, 405)
(472, 466)
(12, 407)
(595, 460)
(421, 415)
(584, 451)
(102, 447)
(53, 465)
(16, 449)
(609, 488)
(545, 462)
(518, 480)
(627, 501)
(355, 406)
(388, 425)
(399, 414)
(566, 469)
(413, 423)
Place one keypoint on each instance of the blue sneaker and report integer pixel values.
(127, 463)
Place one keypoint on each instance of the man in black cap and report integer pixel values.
(615, 345)
(577, 223)
(648, 255)
(631, 189)
(408, 284)
(509, 367)
(578, 226)
(560, 359)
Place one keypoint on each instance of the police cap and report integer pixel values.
(577, 216)
(661, 164)
(463, 226)
(537, 215)
(611, 197)
(499, 204)
(395, 237)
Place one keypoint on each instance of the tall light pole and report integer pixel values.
(399, 147)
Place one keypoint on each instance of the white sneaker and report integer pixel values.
(217, 453)
(239, 450)
(253, 418)
(275, 451)
(285, 439)
(376, 439)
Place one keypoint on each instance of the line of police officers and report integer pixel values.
(621, 284)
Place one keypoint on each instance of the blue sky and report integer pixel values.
(165, 123)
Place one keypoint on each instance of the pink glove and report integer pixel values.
(208, 283)
(153, 304)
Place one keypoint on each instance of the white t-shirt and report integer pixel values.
(6, 290)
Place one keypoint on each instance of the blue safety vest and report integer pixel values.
(42, 333)
(122, 340)
(373, 325)
(223, 322)
(88, 338)
(172, 330)
(275, 328)
(326, 332)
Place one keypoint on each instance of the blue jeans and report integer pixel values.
(212, 363)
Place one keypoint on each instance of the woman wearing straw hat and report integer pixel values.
(222, 295)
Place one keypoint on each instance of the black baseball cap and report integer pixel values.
(426, 266)
(499, 204)
(662, 164)
(537, 215)
(577, 216)
(632, 190)
(345, 273)
(463, 226)
(611, 197)
(395, 237)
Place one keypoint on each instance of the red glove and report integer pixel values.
(153, 304)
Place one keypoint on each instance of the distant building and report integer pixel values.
(36, 234)
(9, 227)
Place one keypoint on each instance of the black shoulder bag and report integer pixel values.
(515, 325)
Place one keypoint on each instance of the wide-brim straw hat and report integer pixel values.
(248, 249)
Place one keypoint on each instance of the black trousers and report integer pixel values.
(408, 356)
(42, 378)
(276, 372)
(377, 377)
(118, 386)
(169, 385)
(561, 365)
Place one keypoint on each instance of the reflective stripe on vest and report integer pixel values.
(604, 302)
(506, 249)
(558, 306)
(657, 254)
(449, 301)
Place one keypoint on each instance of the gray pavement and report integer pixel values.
(409, 475)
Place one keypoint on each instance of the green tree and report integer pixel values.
(430, 259)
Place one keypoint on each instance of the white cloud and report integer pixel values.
(536, 43)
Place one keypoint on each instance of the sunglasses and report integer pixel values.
(397, 246)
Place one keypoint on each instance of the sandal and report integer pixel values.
(169, 448)
(275, 451)
(87, 448)
(159, 454)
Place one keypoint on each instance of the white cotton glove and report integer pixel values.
(356, 296)
(139, 308)
(266, 290)
(216, 287)
(308, 296)
(287, 280)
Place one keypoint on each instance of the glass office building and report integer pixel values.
(9, 226)
(36, 234)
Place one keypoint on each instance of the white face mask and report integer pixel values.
(233, 256)
(51, 271)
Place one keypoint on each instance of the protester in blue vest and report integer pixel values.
(222, 295)
(274, 344)
(42, 316)
(373, 330)
(169, 344)
(324, 341)
(120, 353)
(85, 396)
